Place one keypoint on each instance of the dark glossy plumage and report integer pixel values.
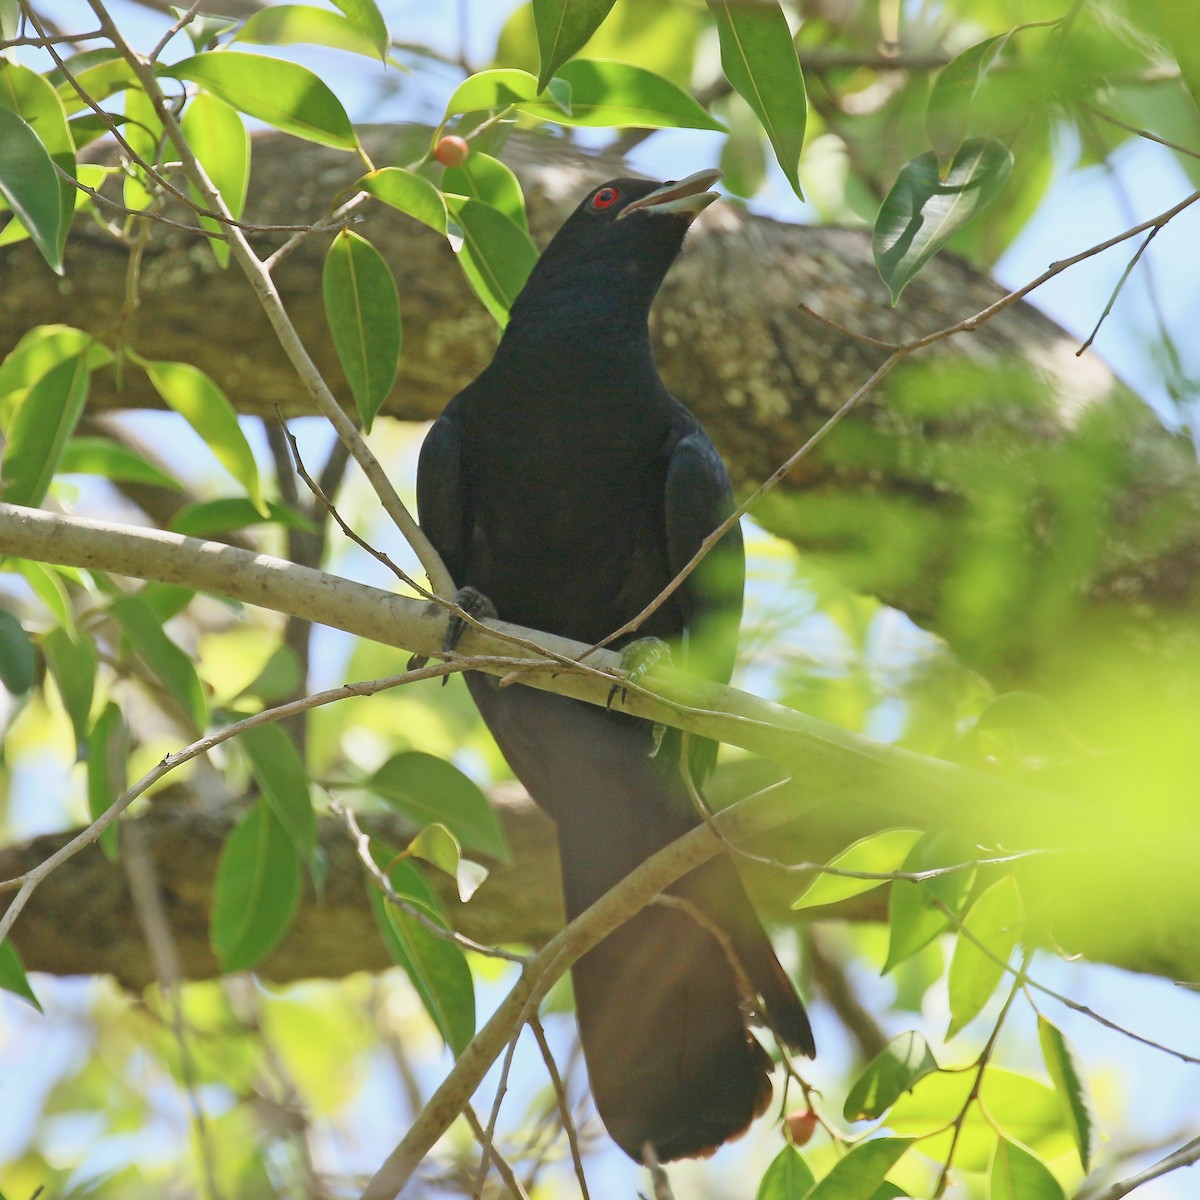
(568, 486)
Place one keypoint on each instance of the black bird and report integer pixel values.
(567, 486)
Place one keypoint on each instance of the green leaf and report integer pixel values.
(496, 255)
(491, 182)
(1060, 1059)
(18, 662)
(29, 185)
(98, 73)
(759, 58)
(914, 919)
(12, 974)
(431, 790)
(72, 662)
(41, 427)
(498, 88)
(363, 311)
(256, 892)
(204, 28)
(436, 966)
(995, 919)
(924, 209)
(281, 777)
(99, 456)
(619, 95)
(206, 518)
(173, 668)
(438, 846)
(283, 94)
(892, 1072)
(206, 409)
(366, 15)
(877, 854)
(954, 89)
(563, 27)
(47, 584)
(294, 24)
(218, 138)
(1019, 1175)
(859, 1175)
(34, 99)
(787, 1178)
(10, 19)
(107, 758)
(144, 132)
(279, 680)
(43, 347)
(412, 194)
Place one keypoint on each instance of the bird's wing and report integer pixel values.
(442, 501)
(699, 497)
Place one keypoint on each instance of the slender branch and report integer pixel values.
(1185, 1156)
(564, 1106)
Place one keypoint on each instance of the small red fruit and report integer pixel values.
(451, 151)
(801, 1125)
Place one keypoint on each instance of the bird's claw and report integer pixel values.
(638, 659)
(475, 604)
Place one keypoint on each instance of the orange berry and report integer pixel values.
(801, 1125)
(451, 151)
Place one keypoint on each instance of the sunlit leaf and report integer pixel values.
(293, 24)
(29, 186)
(366, 16)
(280, 775)
(143, 131)
(111, 460)
(218, 138)
(41, 428)
(490, 181)
(787, 1178)
(171, 665)
(436, 845)
(563, 26)
(18, 662)
(203, 28)
(924, 210)
(431, 790)
(47, 584)
(107, 758)
(12, 974)
(1063, 1066)
(410, 193)
(1019, 1175)
(283, 94)
(876, 854)
(256, 891)
(43, 347)
(759, 58)
(436, 966)
(995, 921)
(892, 1072)
(98, 73)
(496, 254)
(859, 1174)
(497, 88)
(72, 663)
(207, 518)
(363, 311)
(914, 918)
(207, 410)
(279, 679)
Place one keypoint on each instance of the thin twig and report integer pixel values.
(1133, 262)
(1185, 1156)
(564, 1106)
(503, 1167)
(845, 330)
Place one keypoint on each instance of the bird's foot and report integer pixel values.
(475, 604)
(638, 659)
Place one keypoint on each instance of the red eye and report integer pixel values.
(606, 197)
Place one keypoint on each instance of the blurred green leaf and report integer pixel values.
(41, 428)
(43, 347)
(914, 920)
(1175, 21)
(205, 407)
(436, 966)
(924, 210)
(759, 58)
(1063, 1066)
(1019, 1175)
(283, 94)
(995, 920)
(18, 662)
(171, 665)
(279, 679)
(295, 24)
(280, 775)
(98, 73)
(144, 132)
(363, 311)
(47, 584)
(860, 1173)
(366, 16)
(563, 27)
(892, 1072)
(438, 846)
(203, 28)
(877, 854)
(111, 460)
(218, 138)
(954, 88)
(12, 974)
(29, 185)
(72, 662)
(256, 892)
(410, 193)
(743, 162)
(206, 518)
(107, 759)
(431, 790)
(787, 1178)
(491, 182)
(496, 254)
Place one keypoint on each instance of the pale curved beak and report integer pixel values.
(687, 197)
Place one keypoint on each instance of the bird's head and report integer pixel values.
(617, 246)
